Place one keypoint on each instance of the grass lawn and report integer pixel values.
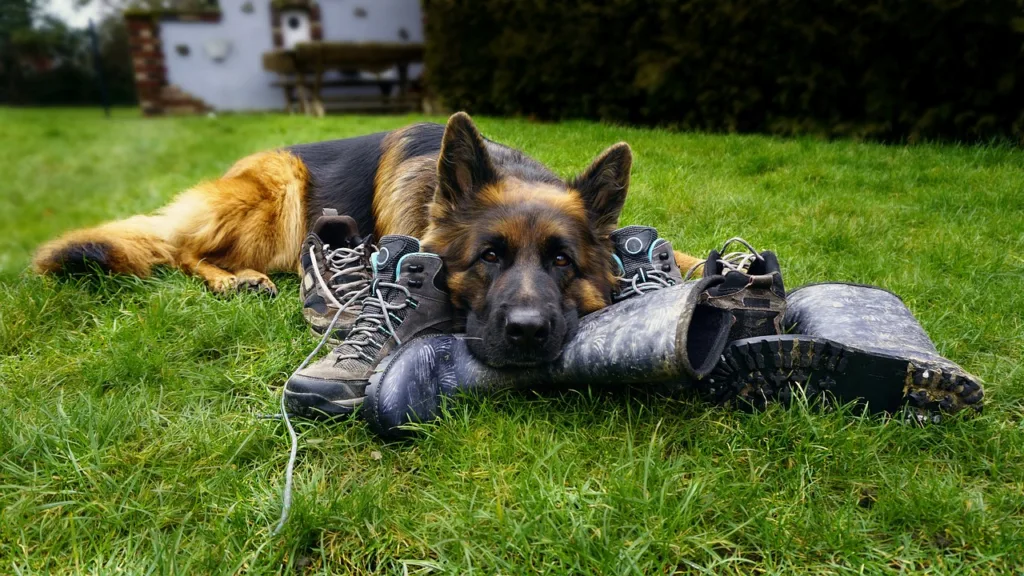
(131, 435)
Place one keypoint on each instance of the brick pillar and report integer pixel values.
(316, 29)
(147, 62)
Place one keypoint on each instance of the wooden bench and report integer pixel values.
(301, 71)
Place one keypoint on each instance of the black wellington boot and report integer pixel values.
(851, 343)
(664, 336)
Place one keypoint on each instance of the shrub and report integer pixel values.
(887, 69)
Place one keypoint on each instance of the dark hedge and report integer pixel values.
(886, 69)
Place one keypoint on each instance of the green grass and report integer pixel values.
(131, 436)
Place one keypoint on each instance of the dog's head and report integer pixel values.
(526, 252)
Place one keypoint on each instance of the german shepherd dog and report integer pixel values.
(520, 244)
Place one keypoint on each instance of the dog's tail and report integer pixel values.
(130, 246)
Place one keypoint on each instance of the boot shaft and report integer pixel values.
(407, 297)
(868, 317)
(665, 336)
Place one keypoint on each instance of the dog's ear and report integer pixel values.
(603, 187)
(464, 166)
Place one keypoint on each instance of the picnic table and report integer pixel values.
(301, 73)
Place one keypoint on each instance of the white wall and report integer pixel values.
(239, 82)
(383, 20)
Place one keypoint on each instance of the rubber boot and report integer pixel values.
(664, 336)
(848, 343)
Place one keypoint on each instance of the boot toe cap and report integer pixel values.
(313, 397)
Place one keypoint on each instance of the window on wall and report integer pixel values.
(295, 27)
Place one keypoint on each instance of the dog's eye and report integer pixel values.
(489, 256)
(561, 260)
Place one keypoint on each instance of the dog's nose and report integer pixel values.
(526, 327)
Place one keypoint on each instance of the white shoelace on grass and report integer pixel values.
(336, 261)
(735, 261)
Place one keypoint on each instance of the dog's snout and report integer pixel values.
(527, 326)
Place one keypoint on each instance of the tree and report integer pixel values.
(44, 61)
(15, 18)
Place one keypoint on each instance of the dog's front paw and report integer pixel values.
(250, 281)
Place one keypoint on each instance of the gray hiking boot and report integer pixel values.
(645, 262)
(335, 272)
(406, 298)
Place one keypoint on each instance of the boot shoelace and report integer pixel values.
(342, 262)
(339, 261)
(734, 261)
(642, 281)
(376, 317)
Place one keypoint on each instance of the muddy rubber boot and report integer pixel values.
(335, 272)
(645, 262)
(664, 336)
(407, 298)
(849, 343)
(752, 290)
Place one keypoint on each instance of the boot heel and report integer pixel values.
(931, 390)
(757, 371)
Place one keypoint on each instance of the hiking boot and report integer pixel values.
(335, 273)
(645, 262)
(752, 289)
(665, 337)
(852, 343)
(406, 298)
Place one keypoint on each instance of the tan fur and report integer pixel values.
(230, 231)
(403, 189)
(136, 244)
(588, 297)
(685, 261)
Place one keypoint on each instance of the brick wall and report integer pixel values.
(156, 96)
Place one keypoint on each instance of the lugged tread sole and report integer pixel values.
(760, 371)
(314, 406)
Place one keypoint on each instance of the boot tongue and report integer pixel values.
(390, 250)
(632, 246)
(712, 266)
(337, 231)
(367, 336)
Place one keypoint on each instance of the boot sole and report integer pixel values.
(314, 406)
(759, 371)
